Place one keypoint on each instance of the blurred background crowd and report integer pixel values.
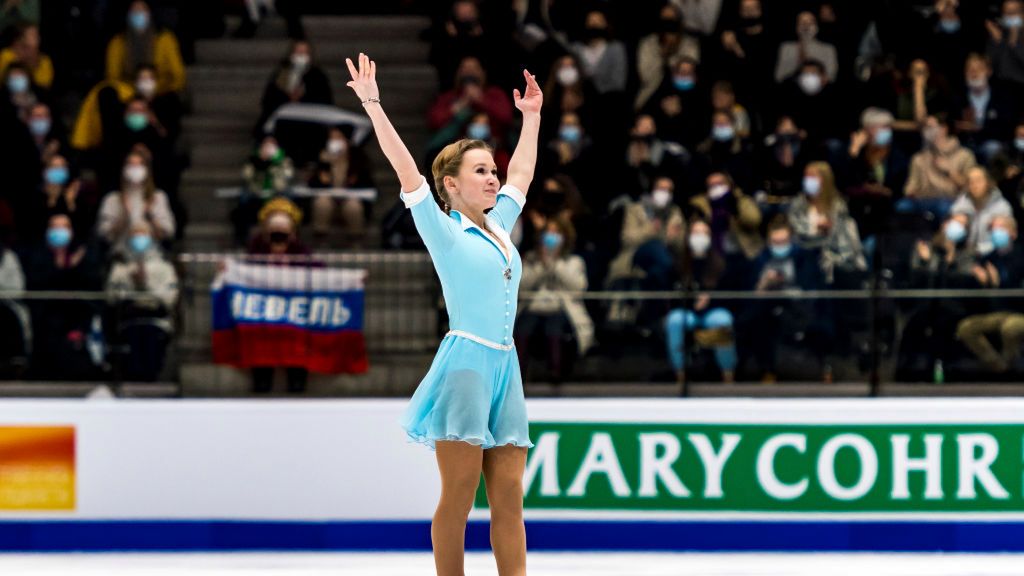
(688, 146)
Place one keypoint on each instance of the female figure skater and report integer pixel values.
(469, 407)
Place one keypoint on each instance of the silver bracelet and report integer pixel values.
(377, 100)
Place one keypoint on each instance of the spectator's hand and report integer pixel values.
(71, 194)
(993, 274)
(472, 94)
(994, 31)
(671, 105)
(364, 79)
(731, 44)
(702, 302)
(538, 220)
(532, 99)
(76, 257)
(858, 140)
(1012, 171)
(51, 149)
(980, 274)
(924, 251)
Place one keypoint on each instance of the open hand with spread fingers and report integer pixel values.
(364, 79)
(532, 100)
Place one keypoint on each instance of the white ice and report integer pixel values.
(539, 564)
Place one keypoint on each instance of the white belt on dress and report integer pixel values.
(479, 340)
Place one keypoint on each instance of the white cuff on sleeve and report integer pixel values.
(514, 193)
(416, 196)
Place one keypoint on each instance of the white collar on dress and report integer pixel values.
(467, 223)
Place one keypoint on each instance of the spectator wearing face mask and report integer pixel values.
(648, 156)
(602, 58)
(25, 147)
(723, 99)
(25, 50)
(145, 327)
(277, 243)
(142, 42)
(725, 150)
(1001, 268)
(668, 43)
(813, 102)
(297, 78)
(937, 173)
(948, 38)
(1006, 46)
(478, 127)
(342, 166)
(554, 272)
(138, 200)
(734, 218)
(874, 171)
(983, 113)
(946, 261)
(680, 106)
(981, 204)
(570, 152)
(822, 222)
(710, 323)
(567, 90)
(61, 328)
(459, 34)
(654, 224)
(267, 173)
(793, 54)
(472, 95)
(166, 107)
(60, 193)
(781, 163)
(784, 266)
(18, 95)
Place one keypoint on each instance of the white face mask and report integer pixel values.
(135, 174)
(699, 243)
(568, 76)
(979, 83)
(336, 146)
(268, 151)
(146, 87)
(300, 60)
(810, 83)
(718, 191)
(661, 197)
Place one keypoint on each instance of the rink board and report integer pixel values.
(608, 474)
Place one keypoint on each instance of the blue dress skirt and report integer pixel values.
(472, 393)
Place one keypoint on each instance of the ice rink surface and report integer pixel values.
(539, 564)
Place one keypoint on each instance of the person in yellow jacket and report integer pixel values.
(143, 43)
(25, 49)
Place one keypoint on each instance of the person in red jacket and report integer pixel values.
(471, 96)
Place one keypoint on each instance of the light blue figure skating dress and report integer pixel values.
(473, 391)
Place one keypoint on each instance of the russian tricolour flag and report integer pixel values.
(289, 316)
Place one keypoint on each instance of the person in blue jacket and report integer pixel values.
(469, 407)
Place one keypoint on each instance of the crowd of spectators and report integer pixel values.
(88, 149)
(710, 145)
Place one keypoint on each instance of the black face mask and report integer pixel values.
(279, 237)
(470, 81)
(594, 33)
(552, 201)
(670, 26)
(465, 27)
(750, 22)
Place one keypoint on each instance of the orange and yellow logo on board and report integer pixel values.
(37, 468)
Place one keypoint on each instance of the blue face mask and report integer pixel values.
(39, 126)
(552, 240)
(136, 121)
(812, 185)
(955, 231)
(1000, 238)
(57, 175)
(58, 237)
(570, 134)
(139, 243)
(883, 137)
(684, 83)
(782, 251)
(723, 133)
(1013, 21)
(17, 83)
(138, 20)
(478, 131)
(949, 26)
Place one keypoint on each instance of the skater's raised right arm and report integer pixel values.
(364, 83)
